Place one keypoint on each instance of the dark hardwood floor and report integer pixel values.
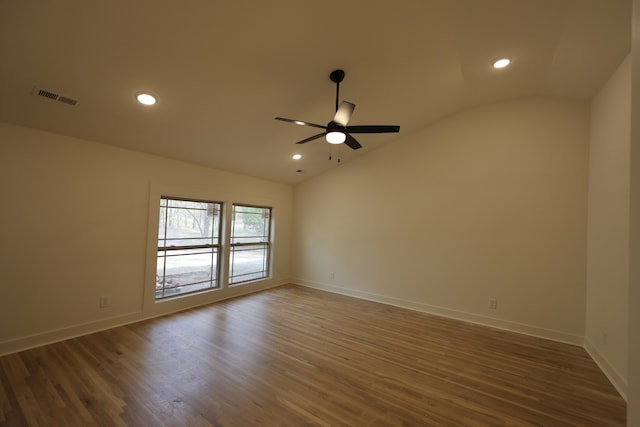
(293, 356)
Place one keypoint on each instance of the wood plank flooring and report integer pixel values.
(293, 356)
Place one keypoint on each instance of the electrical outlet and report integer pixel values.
(604, 338)
(105, 301)
(493, 303)
(333, 275)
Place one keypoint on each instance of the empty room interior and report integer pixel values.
(184, 242)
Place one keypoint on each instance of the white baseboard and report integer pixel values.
(56, 335)
(453, 314)
(52, 336)
(607, 368)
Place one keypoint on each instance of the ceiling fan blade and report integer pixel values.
(373, 129)
(301, 123)
(311, 138)
(343, 115)
(352, 143)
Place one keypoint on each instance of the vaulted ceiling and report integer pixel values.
(222, 70)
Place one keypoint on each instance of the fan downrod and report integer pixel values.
(337, 76)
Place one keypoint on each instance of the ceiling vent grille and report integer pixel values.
(54, 96)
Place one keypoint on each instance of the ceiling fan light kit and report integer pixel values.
(337, 130)
(336, 137)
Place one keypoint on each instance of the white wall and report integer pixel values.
(73, 227)
(490, 202)
(608, 226)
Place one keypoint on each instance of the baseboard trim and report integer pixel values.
(603, 363)
(506, 325)
(62, 334)
(607, 368)
(56, 335)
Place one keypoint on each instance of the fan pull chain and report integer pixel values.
(331, 155)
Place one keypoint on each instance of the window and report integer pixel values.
(250, 243)
(204, 245)
(188, 246)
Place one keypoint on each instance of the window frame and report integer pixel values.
(152, 307)
(216, 249)
(266, 244)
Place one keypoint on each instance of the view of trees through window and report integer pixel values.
(250, 243)
(190, 249)
(188, 246)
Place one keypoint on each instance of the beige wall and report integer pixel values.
(608, 226)
(488, 203)
(74, 227)
(633, 393)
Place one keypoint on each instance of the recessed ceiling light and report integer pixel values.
(296, 156)
(501, 63)
(146, 99)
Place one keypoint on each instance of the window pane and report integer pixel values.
(249, 263)
(184, 224)
(188, 223)
(179, 271)
(250, 243)
(250, 224)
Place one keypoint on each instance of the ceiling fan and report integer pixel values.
(337, 131)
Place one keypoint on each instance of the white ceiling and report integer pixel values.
(222, 70)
